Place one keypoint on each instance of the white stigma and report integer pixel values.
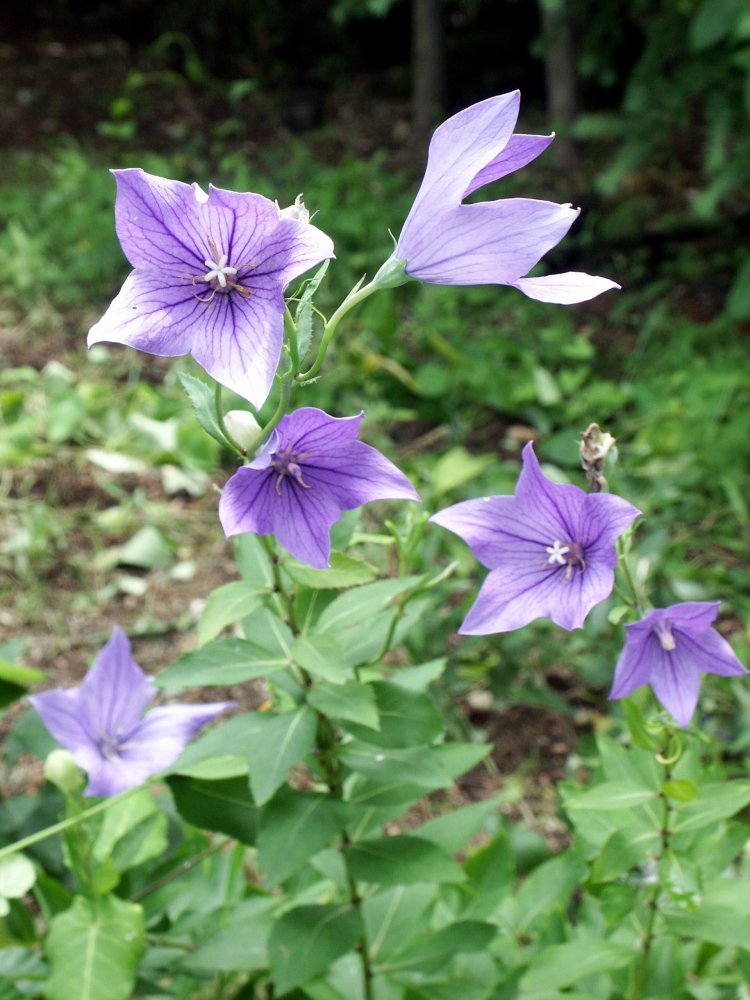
(219, 270)
(666, 639)
(556, 553)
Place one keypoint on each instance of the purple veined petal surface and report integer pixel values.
(161, 223)
(115, 691)
(707, 651)
(633, 668)
(236, 339)
(161, 736)
(300, 519)
(361, 475)
(310, 429)
(605, 516)
(111, 777)
(695, 614)
(459, 149)
(284, 248)
(560, 504)
(675, 680)
(518, 151)
(500, 528)
(515, 595)
(487, 243)
(564, 289)
(60, 711)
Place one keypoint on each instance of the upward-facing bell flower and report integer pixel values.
(209, 278)
(102, 723)
(446, 242)
(669, 649)
(311, 469)
(549, 548)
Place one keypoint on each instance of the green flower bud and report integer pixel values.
(62, 771)
(242, 427)
(391, 274)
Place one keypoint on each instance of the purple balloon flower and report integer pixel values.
(445, 242)
(311, 470)
(550, 549)
(210, 272)
(102, 723)
(669, 649)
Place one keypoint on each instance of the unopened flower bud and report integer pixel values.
(595, 448)
(392, 273)
(297, 211)
(63, 772)
(242, 427)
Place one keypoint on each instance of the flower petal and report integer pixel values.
(519, 150)
(61, 713)
(459, 149)
(115, 691)
(283, 248)
(161, 223)
(561, 506)
(488, 243)
(707, 651)
(693, 614)
(565, 289)
(633, 668)
(675, 680)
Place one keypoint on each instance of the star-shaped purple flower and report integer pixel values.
(445, 242)
(550, 549)
(669, 649)
(311, 470)
(210, 272)
(102, 723)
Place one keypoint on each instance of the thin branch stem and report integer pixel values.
(281, 409)
(66, 824)
(220, 420)
(330, 327)
(291, 333)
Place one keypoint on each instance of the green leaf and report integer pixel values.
(490, 872)
(612, 795)
(266, 629)
(293, 827)
(351, 701)
(147, 549)
(221, 663)
(227, 605)
(719, 925)
(407, 718)
(548, 887)
(393, 916)
(713, 802)
(624, 849)
(458, 758)
(17, 875)
(344, 572)
(241, 945)
(202, 399)
(617, 614)
(683, 790)
(454, 829)
(306, 940)
(400, 860)
(146, 840)
(681, 878)
(416, 765)
(419, 678)
(321, 656)
(564, 964)
(235, 734)
(253, 562)
(275, 743)
(363, 603)
(714, 21)
(223, 806)
(304, 314)
(637, 726)
(120, 818)
(432, 951)
(94, 949)
(15, 673)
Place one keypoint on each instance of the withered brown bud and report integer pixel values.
(595, 447)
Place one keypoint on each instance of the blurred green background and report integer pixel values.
(106, 501)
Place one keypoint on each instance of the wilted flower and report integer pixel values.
(210, 272)
(102, 723)
(445, 242)
(311, 470)
(550, 549)
(669, 649)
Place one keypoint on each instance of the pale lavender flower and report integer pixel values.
(210, 272)
(102, 723)
(445, 242)
(669, 649)
(311, 470)
(550, 550)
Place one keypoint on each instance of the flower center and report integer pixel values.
(663, 630)
(286, 463)
(570, 554)
(221, 276)
(219, 270)
(110, 747)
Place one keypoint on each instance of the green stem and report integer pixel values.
(281, 409)
(291, 333)
(330, 328)
(65, 824)
(625, 567)
(220, 420)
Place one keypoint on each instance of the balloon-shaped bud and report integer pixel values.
(63, 772)
(242, 427)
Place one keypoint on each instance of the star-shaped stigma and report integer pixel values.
(219, 270)
(557, 552)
